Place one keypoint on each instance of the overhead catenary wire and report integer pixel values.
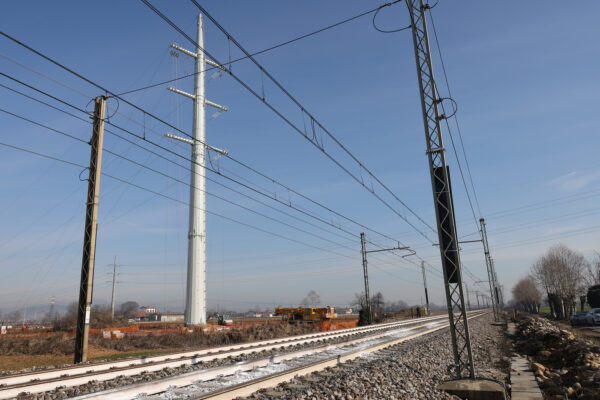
(173, 178)
(454, 116)
(47, 156)
(49, 59)
(304, 111)
(212, 170)
(147, 113)
(187, 184)
(207, 211)
(376, 10)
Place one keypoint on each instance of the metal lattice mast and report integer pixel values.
(442, 193)
(366, 275)
(425, 286)
(490, 269)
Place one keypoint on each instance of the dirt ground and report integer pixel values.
(96, 353)
(566, 364)
(18, 353)
(587, 332)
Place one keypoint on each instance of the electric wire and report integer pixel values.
(376, 10)
(304, 112)
(455, 117)
(143, 138)
(124, 181)
(187, 184)
(174, 179)
(117, 96)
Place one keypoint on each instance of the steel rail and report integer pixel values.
(143, 360)
(36, 382)
(247, 388)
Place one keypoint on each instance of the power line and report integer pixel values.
(162, 147)
(43, 155)
(455, 116)
(187, 184)
(44, 126)
(446, 117)
(313, 121)
(211, 194)
(267, 49)
(176, 179)
(129, 103)
(177, 200)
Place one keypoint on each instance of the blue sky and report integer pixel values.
(525, 83)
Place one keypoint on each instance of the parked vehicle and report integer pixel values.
(579, 318)
(595, 314)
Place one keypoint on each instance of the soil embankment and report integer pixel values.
(565, 365)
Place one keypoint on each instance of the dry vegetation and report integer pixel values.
(17, 353)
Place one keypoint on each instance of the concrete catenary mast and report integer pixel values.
(195, 304)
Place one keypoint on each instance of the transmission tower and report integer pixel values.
(195, 304)
(442, 193)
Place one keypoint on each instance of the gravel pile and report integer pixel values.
(94, 386)
(410, 370)
(565, 365)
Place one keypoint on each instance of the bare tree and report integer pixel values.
(526, 295)
(560, 272)
(359, 301)
(591, 275)
(14, 316)
(377, 302)
(312, 299)
(129, 308)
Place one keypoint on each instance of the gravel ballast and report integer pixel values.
(95, 386)
(411, 370)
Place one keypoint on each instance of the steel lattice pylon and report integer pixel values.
(490, 270)
(442, 193)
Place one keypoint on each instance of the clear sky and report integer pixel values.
(524, 76)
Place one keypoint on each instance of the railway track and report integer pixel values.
(48, 380)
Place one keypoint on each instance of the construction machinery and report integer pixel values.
(223, 320)
(305, 314)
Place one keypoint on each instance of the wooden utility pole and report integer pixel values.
(89, 233)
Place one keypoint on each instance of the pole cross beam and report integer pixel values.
(442, 193)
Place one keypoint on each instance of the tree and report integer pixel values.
(591, 274)
(377, 303)
(129, 308)
(560, 272)
(526, 295)
(68, 321)
(14, 316)
(312, 299)
(395, 307)
(359, 301)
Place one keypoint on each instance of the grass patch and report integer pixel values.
(116, 356)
